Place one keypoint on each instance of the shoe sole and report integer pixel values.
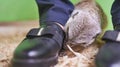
(34, 62)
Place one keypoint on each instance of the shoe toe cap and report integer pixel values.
(36, 48)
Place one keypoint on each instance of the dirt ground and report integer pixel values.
(11, 34)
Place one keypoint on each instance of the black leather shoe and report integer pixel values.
(109, 53)
(40, 48)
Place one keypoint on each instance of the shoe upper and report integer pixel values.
(41, 43)
(109, 55)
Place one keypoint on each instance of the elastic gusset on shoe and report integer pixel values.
(33, 32)
(53, 31)
(37, 32)
(112, 36)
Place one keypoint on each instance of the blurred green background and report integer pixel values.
(22, 10)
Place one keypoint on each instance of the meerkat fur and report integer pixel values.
(87, 21)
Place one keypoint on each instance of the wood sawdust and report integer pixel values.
(11, 35)
(84, 58)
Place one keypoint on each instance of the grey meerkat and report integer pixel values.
(86, 22)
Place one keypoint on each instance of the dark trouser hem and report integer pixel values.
(54, 11)
(115, 11)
